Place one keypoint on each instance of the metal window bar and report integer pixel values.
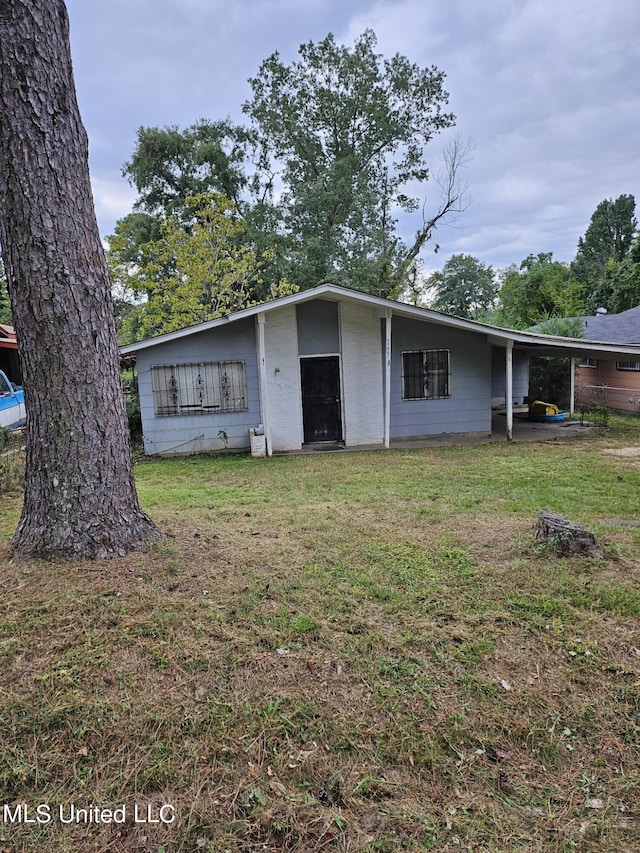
(233, 386)
(436, 368)
(199, 388)
(413, 386)
(425, 374)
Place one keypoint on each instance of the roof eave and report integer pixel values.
(495, 334)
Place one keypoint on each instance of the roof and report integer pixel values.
(622, 328)
(8, 339)
(525, 340)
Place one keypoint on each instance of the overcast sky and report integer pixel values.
(547, 92)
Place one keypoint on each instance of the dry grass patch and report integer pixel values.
(355, 652)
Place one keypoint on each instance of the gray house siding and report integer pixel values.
(196, 433)
(347, 331)
(318, 324)
(467, 409)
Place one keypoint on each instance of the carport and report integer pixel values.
(536, 344)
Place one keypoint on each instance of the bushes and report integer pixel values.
(550, 380)
(11, 462)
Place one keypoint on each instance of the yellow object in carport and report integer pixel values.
(540, 408)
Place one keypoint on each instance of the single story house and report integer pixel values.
(334, 365)
(614, 383)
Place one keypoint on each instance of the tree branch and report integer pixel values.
(454, 200)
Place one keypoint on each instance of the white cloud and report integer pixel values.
(545, 89)
(113, 199)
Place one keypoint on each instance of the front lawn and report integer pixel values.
(340, 651)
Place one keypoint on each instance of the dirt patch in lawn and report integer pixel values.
(623, 452)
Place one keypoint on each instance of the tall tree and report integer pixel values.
(80, 497)
(622, 280)
(169, 165)
(608, 238)
(194, 271)
(465, 287)
(540, 289)
(348, 130)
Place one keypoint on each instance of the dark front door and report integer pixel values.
(321, 417)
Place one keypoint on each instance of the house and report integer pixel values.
(333, 366)
(614, 383)
(9, 353)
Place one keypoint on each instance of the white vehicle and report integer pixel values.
(12, 410)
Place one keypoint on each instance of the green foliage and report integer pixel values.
(464, 287)
(564, 327)
(5, 305)
(342, 133)
(621, 282)
(596, 414)
(549, 380)
(607, 242)
(541, 288)
(349, 130)
(132, 401)
(193, 272)
(168, 165)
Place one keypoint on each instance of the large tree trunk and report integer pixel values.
(80, 497)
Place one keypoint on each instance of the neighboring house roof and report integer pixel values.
(524, 340)
(8, 338)
(622, 328)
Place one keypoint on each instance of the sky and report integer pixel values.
(546, 93)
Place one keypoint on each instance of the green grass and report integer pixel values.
(349, 652)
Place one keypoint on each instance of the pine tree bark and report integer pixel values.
(80, 496)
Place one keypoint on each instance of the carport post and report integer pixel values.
(262, 377)
(387, 379)
(509, 390)
(572, 393)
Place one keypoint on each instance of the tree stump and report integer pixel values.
(566, 537)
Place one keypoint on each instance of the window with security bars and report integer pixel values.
(425, 374)
(628, 365)
(200, 389)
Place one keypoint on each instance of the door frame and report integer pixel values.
(313, 356)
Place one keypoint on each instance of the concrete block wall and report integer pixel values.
(362, 374)
(284, 400)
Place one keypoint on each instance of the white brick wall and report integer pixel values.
(362, 374)
(283, 379)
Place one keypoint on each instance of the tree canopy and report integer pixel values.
(539, 289)
(197, 268)
(335, 150)
(622, 280)
(346, 131)
(465, 287)
(168, 166)
(607, 242)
